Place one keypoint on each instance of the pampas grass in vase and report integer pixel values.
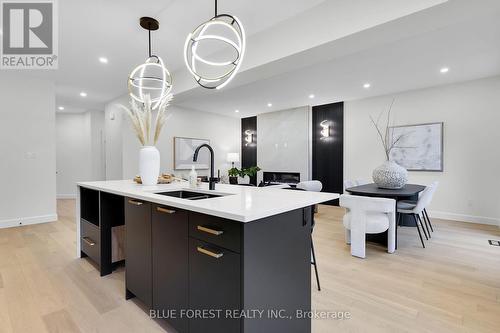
(141, 115)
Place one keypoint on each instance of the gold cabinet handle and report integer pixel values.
(209, 253)
(89, 241)
(165, 210)
(210, 231)
(136, 203)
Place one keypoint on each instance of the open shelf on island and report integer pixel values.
(89, 205)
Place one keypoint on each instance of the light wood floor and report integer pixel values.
(451, 286)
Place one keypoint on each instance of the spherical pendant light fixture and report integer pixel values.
(152, 77)
(223, 29)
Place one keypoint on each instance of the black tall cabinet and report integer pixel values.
(328, 147)
(249, 149)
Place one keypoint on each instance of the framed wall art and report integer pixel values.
(183, 154)
(420, 146)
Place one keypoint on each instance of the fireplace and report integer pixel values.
(290, 178)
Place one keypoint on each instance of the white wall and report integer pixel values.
(97, 144)
(27, 150)
(468, 189)
(79, 150)
(72, 152)
(113, 128)
(122, 147)
(284, 141)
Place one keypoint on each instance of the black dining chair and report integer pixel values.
(314, 186)
(313, 253)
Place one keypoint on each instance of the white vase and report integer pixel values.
(149, 165)
(390, 175)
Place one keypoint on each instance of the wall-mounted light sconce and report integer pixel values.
(325, 132)
(248, 137)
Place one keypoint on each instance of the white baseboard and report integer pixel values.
(465, 218)
(66, 196)
(27, 221)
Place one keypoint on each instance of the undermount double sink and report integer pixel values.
(190, 195)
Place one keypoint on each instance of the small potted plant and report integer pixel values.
(250, 172)
(233, 175)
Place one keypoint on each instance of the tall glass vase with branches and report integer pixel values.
(388, 141)
(389, 175)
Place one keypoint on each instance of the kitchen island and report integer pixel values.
(235, 259)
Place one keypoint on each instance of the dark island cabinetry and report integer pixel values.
(183, 264)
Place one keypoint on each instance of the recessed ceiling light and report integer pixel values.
(269, 104)
(444, 70)
(366, 85)
(61, 108)
(237, 111)
(311, 96)
(103, 60)
(83, 94)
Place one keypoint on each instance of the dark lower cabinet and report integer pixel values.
(170, 264)
(138, 273)
(277, 272)
(214, 284)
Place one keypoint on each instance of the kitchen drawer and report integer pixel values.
(90, 240)
(214, 283)
(215, 230)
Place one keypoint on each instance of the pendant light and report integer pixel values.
(152, 77)
(222, 29)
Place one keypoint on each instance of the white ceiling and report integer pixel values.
(94, 28)
(295, 47)
(470, 49)
(400, 55)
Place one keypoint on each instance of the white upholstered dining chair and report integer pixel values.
(360, 182)
(310, 185)
(416, 209)
(349, 183)
(367, 215)
(425, 216)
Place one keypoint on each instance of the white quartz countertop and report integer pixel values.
(240, 203)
